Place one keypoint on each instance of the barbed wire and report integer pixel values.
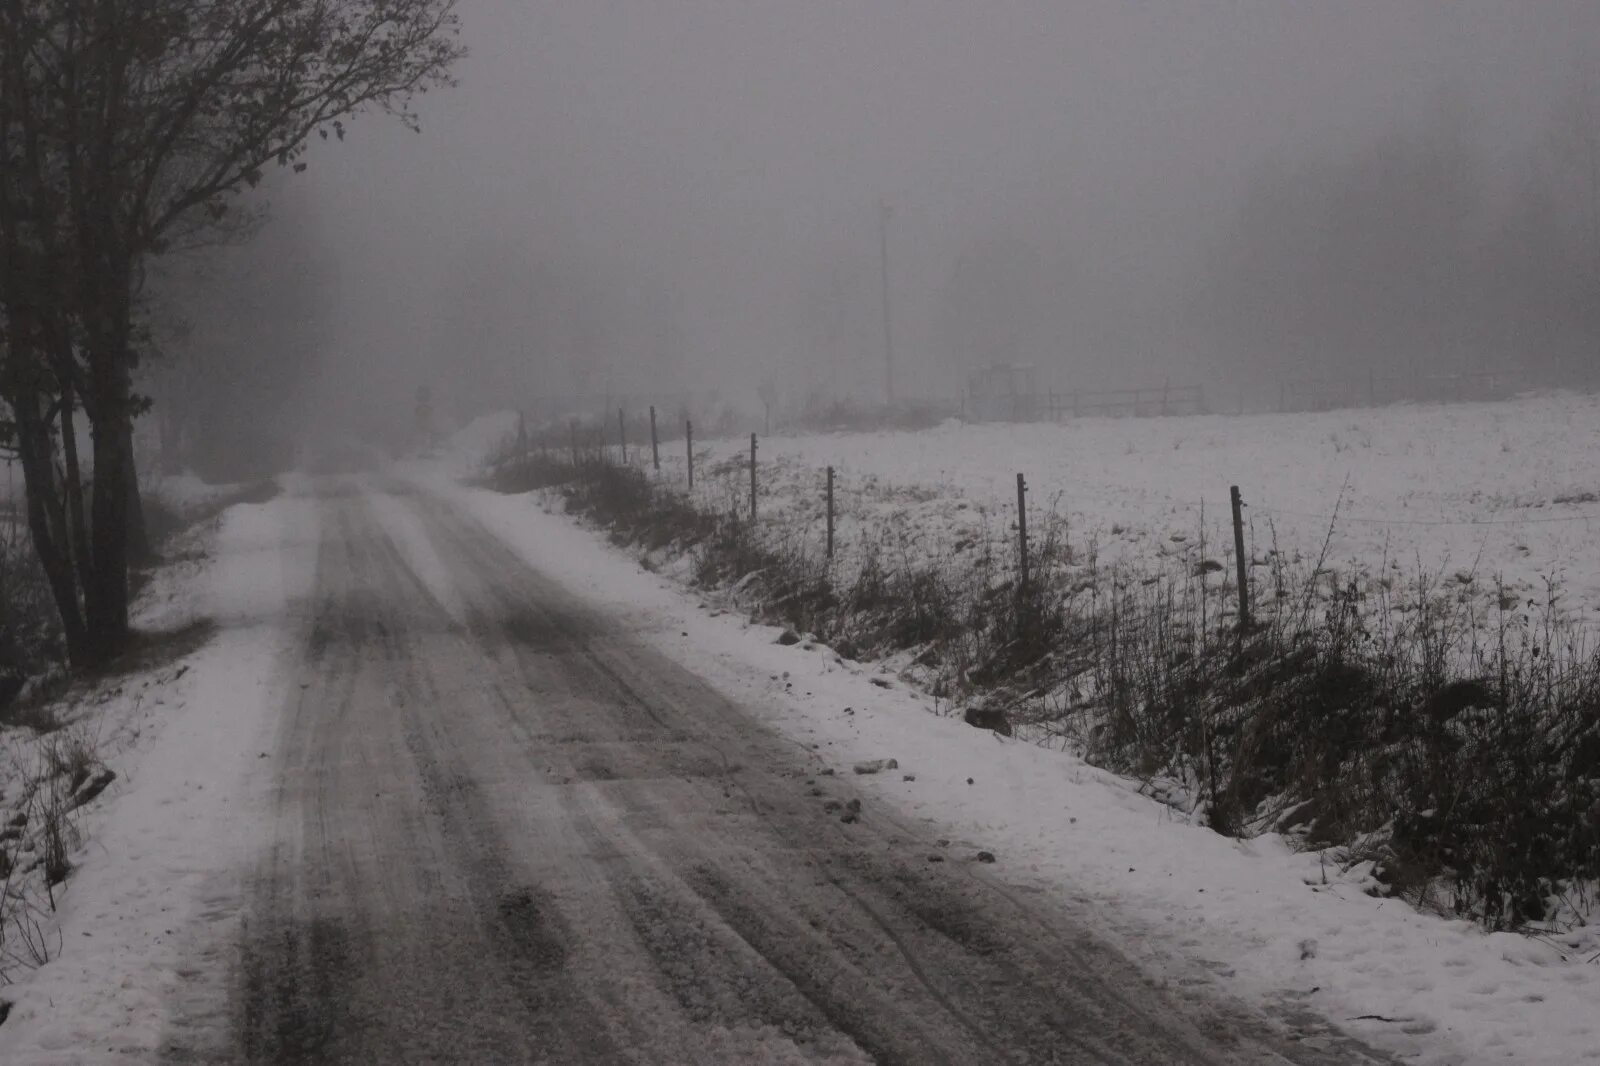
(1533, 520)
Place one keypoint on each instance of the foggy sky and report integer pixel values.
(684, 193)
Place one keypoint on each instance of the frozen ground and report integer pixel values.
(148, 916)
(1483, 490)
(183, 733)
(1252, 917)
(188, 494)
(1466, 493)
(473, 815)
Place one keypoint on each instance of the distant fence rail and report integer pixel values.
(1143, 402)
(1157, 401)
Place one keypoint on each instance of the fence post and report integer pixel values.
(1239, 559)
(574, 428)
(752, 479)
(655, 445)
(830, 512)
(622, 434)
(1022, 535)
(688, 440)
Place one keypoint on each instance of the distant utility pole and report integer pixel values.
(888, 334)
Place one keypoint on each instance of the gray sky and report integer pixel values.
(661, 193)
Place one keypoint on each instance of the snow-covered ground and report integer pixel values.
(1255, 918)
(1483, 491)
(1252, 917)
(1475, 491)
(188, 494)
(184, 735)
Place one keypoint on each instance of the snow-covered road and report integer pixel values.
(506, 830)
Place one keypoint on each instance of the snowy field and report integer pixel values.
(1466, 494)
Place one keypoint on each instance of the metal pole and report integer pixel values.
(655, 445)
(830, 512)
(1022, 535)
(1238, 556)
(574, 428)
(752, 479)
(688, 443)
(622, 433)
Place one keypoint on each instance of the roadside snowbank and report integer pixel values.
(188, 494)
(160, 845)
(1249, 917)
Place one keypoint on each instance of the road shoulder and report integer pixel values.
(160, 849)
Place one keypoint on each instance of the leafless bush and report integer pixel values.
(71, 755)
(1457, 746)
(57, 835)
(36, 844)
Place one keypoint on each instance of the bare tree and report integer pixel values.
(127, 127)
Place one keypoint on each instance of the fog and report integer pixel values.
(624, 198)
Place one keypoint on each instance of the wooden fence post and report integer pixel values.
(830, 512)
(655, 445)
(688, 440)
(752, 479)
(1239, 559)
(1022, 535)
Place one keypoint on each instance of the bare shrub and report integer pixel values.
(57, 835)
(72, 754)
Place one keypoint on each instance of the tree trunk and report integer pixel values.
(106, 596)
(47, 521)
(73, 489)
(107, 323)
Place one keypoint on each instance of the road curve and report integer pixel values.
(504, 832)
